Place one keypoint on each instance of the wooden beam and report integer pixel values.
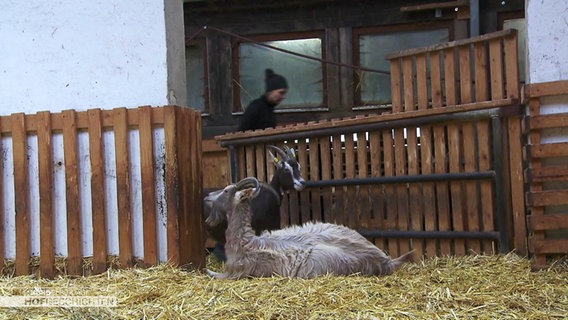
(299, 127)
(435, 5)
(457, 43)
(552, 88)
(548, 222)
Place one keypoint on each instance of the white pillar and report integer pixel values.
(547, 40)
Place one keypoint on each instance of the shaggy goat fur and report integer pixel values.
(299, 251)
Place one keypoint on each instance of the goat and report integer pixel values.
(265, 207)
(306, 251)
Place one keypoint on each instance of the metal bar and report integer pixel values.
(473, 18)
(402, 179)
(426, 120)
(499, 185)
(492, 235)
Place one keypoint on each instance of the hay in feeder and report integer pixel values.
(486, 287)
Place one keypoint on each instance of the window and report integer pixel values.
(195, 65)
(372, 88)
(303, 70)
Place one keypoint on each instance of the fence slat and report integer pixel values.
(148, 183)
(326, 167)
(171, 182)
(415, 216)
(362, 166)
(21, 193)
(98, 196)
(45, 173)
(390, 190)
(399, 151)
(426, 155)
(470, 151)
(189, 192)
(439, 131)
(250, 161)
(350, 206)
(548, 198)
(337, 215)
(484, 143)
(314, 161)
(515, 149)
(74, 254)
(548, 222)
(377, 197)
(120, 118)
(260, 156)
(304, 196)
(454, 149)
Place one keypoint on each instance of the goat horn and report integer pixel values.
(249, 182)
(280, 152)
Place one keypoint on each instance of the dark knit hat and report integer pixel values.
(274, 81)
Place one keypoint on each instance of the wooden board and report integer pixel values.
(454, 150)
(440, 152)
(426, 156)
(45, 173)
(21, 194)
(148, 185)
(74, 251)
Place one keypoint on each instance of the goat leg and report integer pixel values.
(216, 275)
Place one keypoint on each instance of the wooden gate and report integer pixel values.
(441, 174)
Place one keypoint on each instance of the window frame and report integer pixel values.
(236, 42)
(382, 30)
(201, 43)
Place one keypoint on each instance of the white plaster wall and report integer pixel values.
(547, 40)
(547, 59)
(82, 54)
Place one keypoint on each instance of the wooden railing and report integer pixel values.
(101, 182)
(547, 174)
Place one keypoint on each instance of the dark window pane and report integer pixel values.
(304, 75)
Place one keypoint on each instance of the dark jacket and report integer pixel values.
(258, 115)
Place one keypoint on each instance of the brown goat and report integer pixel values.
(306, 251)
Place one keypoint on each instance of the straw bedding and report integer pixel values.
(481, 287)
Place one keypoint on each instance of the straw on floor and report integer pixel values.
(481, 287)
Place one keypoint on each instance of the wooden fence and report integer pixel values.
(102, 182)
(547, 174)
(441, 174)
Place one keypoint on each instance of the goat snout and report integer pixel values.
(299, 184)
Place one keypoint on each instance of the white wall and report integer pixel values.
(547, 40)
(82, 54)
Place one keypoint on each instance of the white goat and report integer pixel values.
(299, 251)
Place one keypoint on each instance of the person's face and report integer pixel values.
(276, 96)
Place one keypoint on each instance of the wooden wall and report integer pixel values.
(547, 174)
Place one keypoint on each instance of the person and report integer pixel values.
(259, 114)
